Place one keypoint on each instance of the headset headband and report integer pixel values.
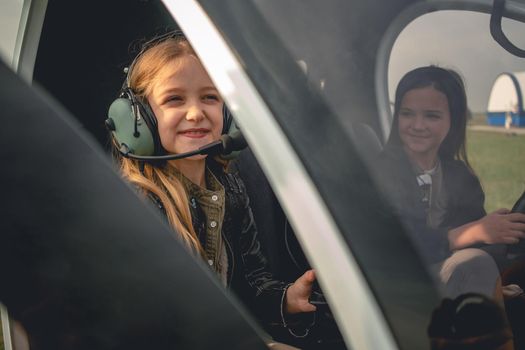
(175, 34)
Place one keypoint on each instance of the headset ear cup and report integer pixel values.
(151, 121)
(227, 120)
(229, 127)
(121, 117)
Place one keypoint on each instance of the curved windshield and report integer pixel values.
(401, 121)
(492, 79)
(410, 206)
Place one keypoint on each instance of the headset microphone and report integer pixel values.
(232, 142)
(227, 144)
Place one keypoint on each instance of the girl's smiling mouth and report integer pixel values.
(195, 132)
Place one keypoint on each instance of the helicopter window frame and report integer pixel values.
(30, 24)
(12, 17)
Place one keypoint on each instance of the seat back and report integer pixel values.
(366, 141)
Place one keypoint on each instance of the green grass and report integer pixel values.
(499, 162)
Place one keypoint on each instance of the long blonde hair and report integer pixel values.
(156, 179)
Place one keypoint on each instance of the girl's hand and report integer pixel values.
(500, 226)
(297, 294)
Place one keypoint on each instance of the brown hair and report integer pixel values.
(157, 179)
(449, 83)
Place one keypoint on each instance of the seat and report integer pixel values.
(366, 141)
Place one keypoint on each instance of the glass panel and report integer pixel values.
(315, 63)
(464, 44)
(10, 15)
(495, 146)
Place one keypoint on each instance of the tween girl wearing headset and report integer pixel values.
(169, 94)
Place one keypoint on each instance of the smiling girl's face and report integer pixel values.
(424, 122)
(187, 105)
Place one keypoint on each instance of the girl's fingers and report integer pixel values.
(310, 275)
(516, 217)
(307, 307)
(510, 240)
(501, 211)
(307, 279)
(517, 226)
(517, 234)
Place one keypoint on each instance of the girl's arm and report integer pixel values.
(497, 227)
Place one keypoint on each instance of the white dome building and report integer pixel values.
(506, 99)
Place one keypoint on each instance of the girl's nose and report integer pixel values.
(418, 123)
(194, 113)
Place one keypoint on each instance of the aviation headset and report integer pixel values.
(133, 124)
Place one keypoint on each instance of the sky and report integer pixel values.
(462, 42)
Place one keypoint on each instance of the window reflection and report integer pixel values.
(495, 145)
(461, 40)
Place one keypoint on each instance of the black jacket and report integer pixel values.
(465, 200)
(287, 260)
(248, 273)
